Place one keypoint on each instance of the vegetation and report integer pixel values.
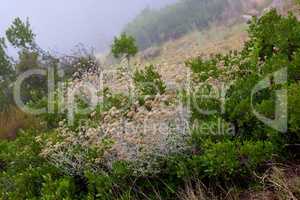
(20, 34)
(84, 161)
(124, 46)
(155, 26)
(148, 82)
(6, 76)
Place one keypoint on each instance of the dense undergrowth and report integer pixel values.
(63, 162)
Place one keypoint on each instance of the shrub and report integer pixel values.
(75, 151)
(254, 154)
(148, 82)
(228, 160)
(23, 171)
(219, 160)
(293, 136)
(58, 188)
(273, 44)
(204, 69)
(119, 101)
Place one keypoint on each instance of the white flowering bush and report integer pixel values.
(138, 136)
(142, 136)
(74, 152)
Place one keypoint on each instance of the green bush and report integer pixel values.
(148, 82)
(254, 154)
(219, 160)
(273, 45)
(294, 113)
(22, 175)
(231, 160)
(110, 100)
(61, 188)
(34, 87)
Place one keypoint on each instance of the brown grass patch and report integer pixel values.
(199, 191)
(12, 120)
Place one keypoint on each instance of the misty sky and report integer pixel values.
(61, 24)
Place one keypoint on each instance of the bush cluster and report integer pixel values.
(148, 82)
(274, 44)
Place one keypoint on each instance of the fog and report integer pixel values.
(62, 24)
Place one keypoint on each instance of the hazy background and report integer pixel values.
(61, 24)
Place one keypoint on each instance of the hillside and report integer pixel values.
(156, 26)
(169, 58)
(219, 37)
(211, 113)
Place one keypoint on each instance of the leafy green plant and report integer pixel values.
(148, 82)
(22, 175)
(20, 35)
(228, 159)
(62, 188)
(124, 46)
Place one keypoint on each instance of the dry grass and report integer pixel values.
(198, 191)
(278, 183)
(295, 186)
(173, 54)
(14, 119)
(282, 182)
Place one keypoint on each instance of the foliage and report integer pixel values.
(148, 82)
(5, 69)
(6, 76)
(20, 35)
(35, 86)
(74, 152)
(273, 45)
(124, 46)
(60, 188)
(231, 159)
(294, 113)
(21, 176)
(51, 119)
(76, 162)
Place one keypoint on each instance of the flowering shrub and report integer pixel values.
(75, 152)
